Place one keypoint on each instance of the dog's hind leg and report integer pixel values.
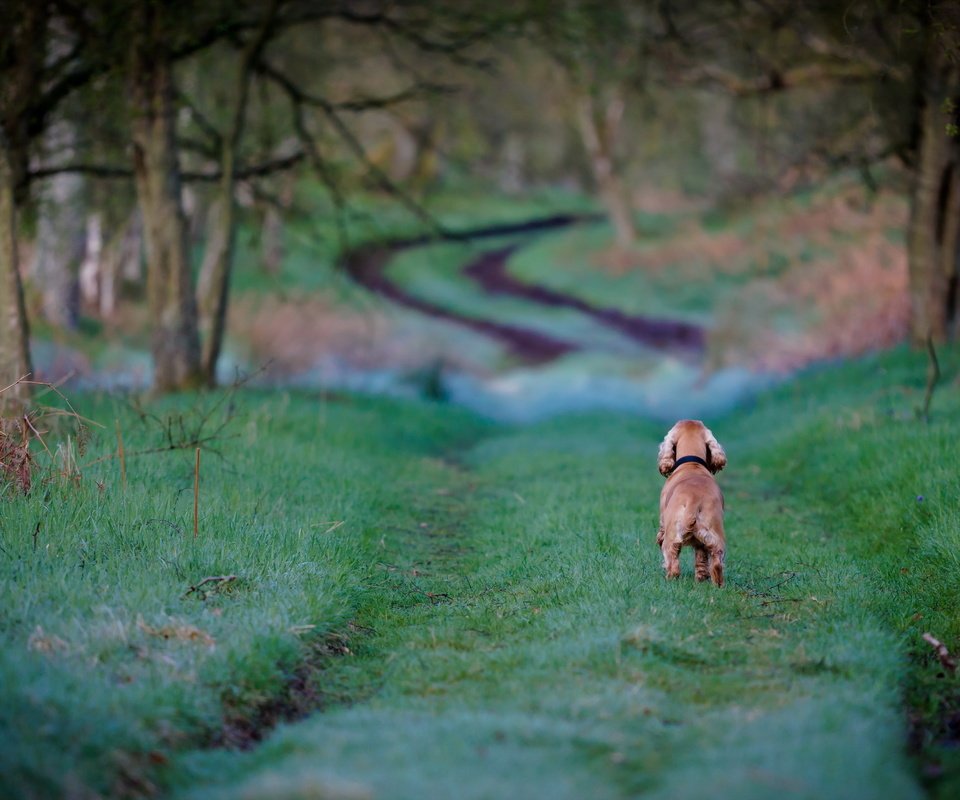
(713, 548)
(701, 562)
(671, 558)
(716, 566)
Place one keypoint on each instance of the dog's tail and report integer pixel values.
(688, 519)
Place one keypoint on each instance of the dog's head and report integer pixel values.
(690, 437)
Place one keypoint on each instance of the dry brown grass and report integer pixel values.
(297, 334)
(853, 303)
(851, 299)
(820, 280)
(294, 333)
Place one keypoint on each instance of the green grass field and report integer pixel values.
(496, 600)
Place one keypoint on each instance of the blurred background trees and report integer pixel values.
(134, 134)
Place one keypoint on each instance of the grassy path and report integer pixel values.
(511, 634)
(526, 644)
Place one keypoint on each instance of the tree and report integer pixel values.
(136, 47)
(31, 87)
(222, 243)
(14, 330)
(933, 236)
(600, 49)
(174, 336)
(161, 35)
(61, 234)
(906, 56)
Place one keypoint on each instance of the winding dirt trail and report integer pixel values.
(490, 272)
(367, 266)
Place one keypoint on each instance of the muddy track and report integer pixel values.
(490, 272)
(367, 266)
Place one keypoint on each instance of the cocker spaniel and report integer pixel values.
(691, 503)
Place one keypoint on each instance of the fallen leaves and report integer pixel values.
(217, 583)
(42, 642)
(179, 631)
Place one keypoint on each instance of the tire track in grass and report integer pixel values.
(397, 726)
(367, 266)
(419, 554)
(489, 270)
(421, 564)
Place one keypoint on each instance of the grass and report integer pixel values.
(512, 632)
(107, 662)
(508, 626)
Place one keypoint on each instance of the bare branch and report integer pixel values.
(452, 48)
(775, 80)
(943, 654)
(386, 101)
(201, 120)
(299, 97)
(247, 172)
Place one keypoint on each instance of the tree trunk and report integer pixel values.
(25, 28)
(271, 241)
(91, 268)
(61, 238)
(950, 247)
(217, 292)
(218, 265)
(932, 234)
(719, 140)
(174, 339)
(120, 263)
(599, 138)
(14, 331)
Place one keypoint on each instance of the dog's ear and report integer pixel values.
(667, 455)
(716, 457)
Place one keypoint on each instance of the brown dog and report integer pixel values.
(691, 503)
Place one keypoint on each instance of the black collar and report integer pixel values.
(689, 460)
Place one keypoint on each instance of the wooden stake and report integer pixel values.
(123, 460)
(196, 496)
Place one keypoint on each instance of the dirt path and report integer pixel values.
(490, 272)
(367, 265)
